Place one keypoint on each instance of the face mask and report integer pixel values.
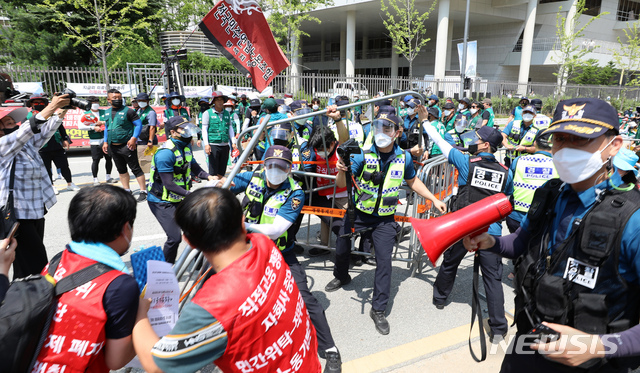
(575, 165)
(95, 107)
(143, 104)
(228, 109)
(527, 117)
(447, 113)
(175, 102)
(431, 102)
(9, 130)
(276, 176)
(39, 107)
(411, 111)
(473, 111)
(473, 148)
(116, 103)
(460, 106)
(281, 109)
(382, 140)
(315, 107)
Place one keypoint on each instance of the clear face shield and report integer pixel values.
(189, 130)
(380, 126)
(280, 136)
(302, 111)
(461, 123)
(470, 138)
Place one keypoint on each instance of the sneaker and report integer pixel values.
(111, 180)
(333, 363)
(313, 252)
(73, 187)
(142, 197)
(382, 325)
(96, 183)
(56, 191)
(335, 284)
(196, 179)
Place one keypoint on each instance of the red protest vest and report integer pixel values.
(75, 342)
(321, 168)
(258, 303)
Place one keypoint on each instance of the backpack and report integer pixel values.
(27, 310)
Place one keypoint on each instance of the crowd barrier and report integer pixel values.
(440, 177)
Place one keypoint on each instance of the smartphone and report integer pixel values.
(14, 229)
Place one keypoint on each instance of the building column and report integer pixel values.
(343, 51)
(365, 46)
(323, 47)
(350, 67)
(442, 39)
(527, 47)
(450, 47)
(295, 66)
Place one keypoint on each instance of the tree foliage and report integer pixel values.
(184, 15)
(406, 26)
(569, 54)
(628, 56)
(589, 72)
(133, 53)
(199, 61)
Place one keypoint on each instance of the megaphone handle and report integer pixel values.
(479, 232)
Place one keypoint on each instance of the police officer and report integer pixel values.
(542, 121)
(488, 115)
(480, 176)
(172, 168)
(530, 171)
(272, 203)
(379, 173)
(174, 106)
(410, 138)
(519, 135)
(516, 113)
(303, 129)
(578, 263)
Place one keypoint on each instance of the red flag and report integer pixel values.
(241, 32)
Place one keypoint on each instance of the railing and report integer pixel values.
(551, 44)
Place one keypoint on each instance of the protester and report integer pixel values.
(33, 192)
(148, 138)
(91, 329)
(217, 130)
(232, 328)
(93, 121)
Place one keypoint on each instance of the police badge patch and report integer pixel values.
(306, 153)
(295, 203)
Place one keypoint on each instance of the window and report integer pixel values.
(628, 10)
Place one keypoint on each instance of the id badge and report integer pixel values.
(581, 273)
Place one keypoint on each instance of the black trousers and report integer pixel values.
(316, 312)
(124, 157)
(164, 212)
(59, 158)
(31, 255)
(218, 160)
(491, 266)
(383, 233)
(96, 155)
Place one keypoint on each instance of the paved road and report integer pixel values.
(421, 337)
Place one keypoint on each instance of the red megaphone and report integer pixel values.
(438, 234)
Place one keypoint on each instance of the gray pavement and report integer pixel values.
(421, 337)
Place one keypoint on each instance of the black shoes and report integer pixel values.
(298, 250)
(495, 339)
(313, 252)
(335, 284)
(333, 363)
(439, 305)
(142, 197)
(382, 325)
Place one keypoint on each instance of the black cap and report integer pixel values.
(255, 103)
(433, 111)
(466, 101)
(284, 126)
(537, 103)
(387, 109)
(142, 96)
(523, 98)
(298, 104)
(342, 100)
(584, 117)
(389, 119)
(174, 122)
(490, 135)
(278, 154)
(449, 105)
(413, 103)
(382, 103)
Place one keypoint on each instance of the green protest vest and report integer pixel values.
(532, 171)
(120, 128)
(491, 117)
(435, 150)
(254, 194)
(219, 127)
(168, 113)
(181, 173)
(382, 198)
(450, 124)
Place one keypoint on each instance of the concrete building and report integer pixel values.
(516, 39)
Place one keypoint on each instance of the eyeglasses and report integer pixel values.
(566, 139)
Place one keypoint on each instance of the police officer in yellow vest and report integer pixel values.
(519, 135)
(172, 168)
(530, 171)
(272, 202)
(379, 173)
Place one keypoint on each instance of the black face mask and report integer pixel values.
(280, 142)
(473, 148)
(116, 103)
(204, 107)
(39, 107)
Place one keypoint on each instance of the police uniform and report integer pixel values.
(261, 205)
(174, 157)
(578, 261)
(518, 133)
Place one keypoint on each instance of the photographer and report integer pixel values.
(33, 193)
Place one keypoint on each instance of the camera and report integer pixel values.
(75, 102)
(346, 149)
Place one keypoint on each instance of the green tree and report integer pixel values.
(132, 52)
(197, 61)
(407, 27)
(589, 72)
(607, 74)
(185, 14)
(102, 26)
(569, 54)
(627, 57)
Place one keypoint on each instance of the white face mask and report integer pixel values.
(575, 165)
(229, 109)
(460, 106)
(143, 104)
(410, 111)
(315, 107)
(473, 111)
(175, 101)
(95, 107)
(276, 176)
(447, 113)
(528, 117)
(383, 140)
(459, 128)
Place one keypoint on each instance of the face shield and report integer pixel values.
(302, 111)
(470, 138)
(280, 136)
(461, 123)
(189, 130)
